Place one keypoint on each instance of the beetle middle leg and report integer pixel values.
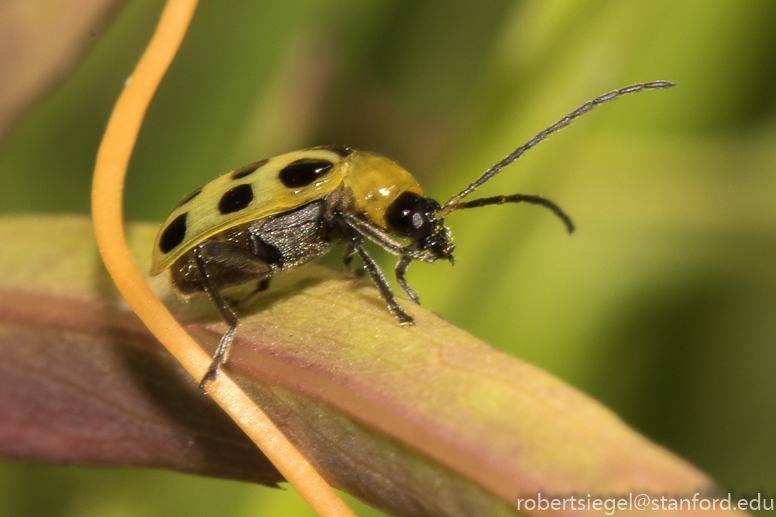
(246, 301)
(347, 258)
(401, 269)
(382, 285)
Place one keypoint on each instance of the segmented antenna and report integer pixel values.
(565, 121)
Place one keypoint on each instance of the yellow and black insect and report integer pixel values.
(282, 212)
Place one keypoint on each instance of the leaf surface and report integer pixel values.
(425, 420)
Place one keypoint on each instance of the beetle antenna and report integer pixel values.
(519, 198)
(565, 121)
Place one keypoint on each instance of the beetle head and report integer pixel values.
(415, 217)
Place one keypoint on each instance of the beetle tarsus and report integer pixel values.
(409, 291)
(212, 371)
(219, 356)
(403, 318)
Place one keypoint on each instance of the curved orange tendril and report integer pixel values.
(110, 170)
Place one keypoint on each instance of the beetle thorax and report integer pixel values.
(375, 182)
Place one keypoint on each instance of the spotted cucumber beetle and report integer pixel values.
(282, 212)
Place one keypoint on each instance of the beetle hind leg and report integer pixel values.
(382, 285)
(220, 356)
(221, 353)
(227, 313)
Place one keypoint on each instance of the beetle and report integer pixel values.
(282, 212)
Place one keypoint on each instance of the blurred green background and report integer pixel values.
(662, 305)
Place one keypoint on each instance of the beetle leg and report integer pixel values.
(227, 314)
(347, 259)
(246, 301)
(379, 280)
(401, 269)
(380, 237)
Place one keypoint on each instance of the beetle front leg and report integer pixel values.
(401, 269)
(379, 236)
(379, 280)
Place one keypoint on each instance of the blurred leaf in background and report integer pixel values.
(41, 42)
(661, 306)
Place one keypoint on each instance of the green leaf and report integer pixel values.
(425, 420)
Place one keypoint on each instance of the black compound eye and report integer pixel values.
(411, 215)
(303, 172)
(235, 199)
(173, 234)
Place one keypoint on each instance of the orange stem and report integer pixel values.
(110, 170)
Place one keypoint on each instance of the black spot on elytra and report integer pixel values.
(235, 199)
(341, 150)
(248, 169)
(304, 171)
(173, 234)
(189, 197)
